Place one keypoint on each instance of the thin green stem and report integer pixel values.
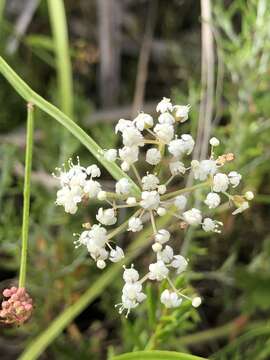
(137, 175)
(30, 96)
(26, 193)
(63, 65)
(173, 194)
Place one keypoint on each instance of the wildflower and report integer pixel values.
(153, 156)
(17, 307)
(135, 224)
(162, 236)
(212, 200)
(193, 216)
(220, 182)
(180, 202)
(166, 118)
(214, 141)
(116, 254)
(179, 263)
(177, 167)
(106, 217)
(234, 178)
(122, 187)
(170, 299)
(110, 154)
(150, 182)
(164, 105)
(132, 137)
(165, 132)
(159, 143)
(196, 302)
(203, 169)
(158, 271)
(181, 146)
(211, 225)
(166, 255)
(181, 112)
(143, 121)
(150, 200)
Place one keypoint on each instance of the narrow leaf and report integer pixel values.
(30, 96)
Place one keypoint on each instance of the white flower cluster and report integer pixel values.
(163, 149)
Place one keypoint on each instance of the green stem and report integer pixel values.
(26, 193)
(157, 355)
(39, 344)
(173, 194)
(30, 96)
(63, 65)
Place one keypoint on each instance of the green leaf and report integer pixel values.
(156, 355)
(30, 96)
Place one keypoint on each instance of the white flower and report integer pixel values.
(170, 299)
(129, 154)
(166, 118)
(211, 225)
(131, 200)
(180, 202)
(165, 132)
(150, 182)
(116, 254)
(135, 224)
(179, 263)
(162, 189)
(153, 156)
(177, 167)
(92, 188)
(220, 182)
(106, 217)
(193, 216)
(150, 200)
(249, 195)
(185, 145)
(161, 211)
(156, 247)
(212, 200)
(181, 111)
(93, 171)
(122, 187)
(196, 302)
(101, 264)
(110, 154)
(164, 105)
(98, 235)
(158, 271)
(130, 275)
(234, 178)
(122, 125)
(102, 195)
(132, 137)
(143, 121)
(132, 295)
(162, 236)
(204, 168)
(76, 176)
(69, 198)
(214, 141)
(166, 255)
(241, 208)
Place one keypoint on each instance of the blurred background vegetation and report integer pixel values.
(126, 55)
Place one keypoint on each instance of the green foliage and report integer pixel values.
(155, 355)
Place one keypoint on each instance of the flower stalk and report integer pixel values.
(26, 193)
